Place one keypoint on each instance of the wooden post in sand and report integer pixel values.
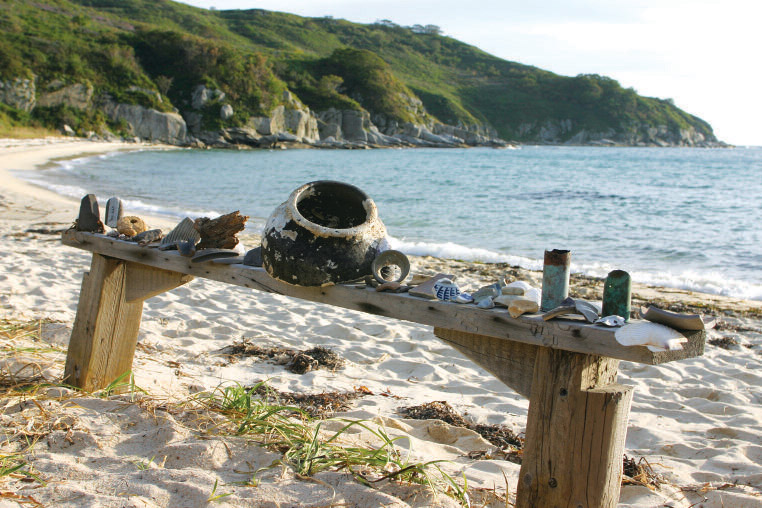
(576, 428)
(105, 330)
(577, 419)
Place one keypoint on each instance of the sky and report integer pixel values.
(703, 54)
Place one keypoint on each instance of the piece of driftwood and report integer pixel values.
(220, 233)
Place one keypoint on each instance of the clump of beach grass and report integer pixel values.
(307, 448)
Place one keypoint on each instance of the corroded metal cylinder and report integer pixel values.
(324, 232)
(555, 278)
(617, 292)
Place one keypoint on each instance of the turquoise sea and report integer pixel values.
(688, 218)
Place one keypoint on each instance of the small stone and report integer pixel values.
(187, 249)
(89, 215)
(388, 286)
(491, 291)
(522, 306)
(131, 225)
(486, 303)
(114, 212)
(68, 131)
(253, 257)
(147, 237)
(464, 298)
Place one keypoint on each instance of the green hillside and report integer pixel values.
(254, 55)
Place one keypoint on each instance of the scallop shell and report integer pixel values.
(655, 336)
(183, 232)
(446, 290)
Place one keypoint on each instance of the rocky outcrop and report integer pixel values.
(293, 118)
(77, 95)
(356, 127)
(566, 132)
(202, 95)
(18, 93)
(148, 123)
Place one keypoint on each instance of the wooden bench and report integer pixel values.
(577, 419)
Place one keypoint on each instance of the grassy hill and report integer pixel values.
(254, 55)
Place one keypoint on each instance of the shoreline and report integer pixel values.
(697, 422)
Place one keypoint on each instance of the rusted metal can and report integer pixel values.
(555, 278)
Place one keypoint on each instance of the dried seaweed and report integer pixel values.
(499, 435)
(639, 472)
(317, 405)
(296, 361)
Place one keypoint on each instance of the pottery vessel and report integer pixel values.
(446, 290)
(324, 232)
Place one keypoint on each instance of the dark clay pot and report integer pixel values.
(325, 232)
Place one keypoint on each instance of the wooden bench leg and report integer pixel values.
(576, 428)
(105, 331)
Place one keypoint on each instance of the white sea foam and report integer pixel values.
(450, 250)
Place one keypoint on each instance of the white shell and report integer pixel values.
(655, 336)
(446, 290)
(611, 321)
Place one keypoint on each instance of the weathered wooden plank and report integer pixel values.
(576, 428)
(510, 362)
(143, 281)
(558, 334)
(105, 330)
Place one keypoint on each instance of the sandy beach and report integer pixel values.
(695, 426)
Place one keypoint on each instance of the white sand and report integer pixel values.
(697, 422)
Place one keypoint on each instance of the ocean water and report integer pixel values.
(687, 218)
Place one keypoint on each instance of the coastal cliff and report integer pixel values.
(171, 73)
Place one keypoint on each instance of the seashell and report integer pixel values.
(381, 266)
(515, 286)
(513, 291)
(522, 306)
(653, 335)
(210, 254)
(131, 225)
(183, 232)
(446, 290)
(591, 311)
(506, 300)
(675, 320)
(147, 237)
(486, 303)
(611, 321)
(464, 298)
(114, 212)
